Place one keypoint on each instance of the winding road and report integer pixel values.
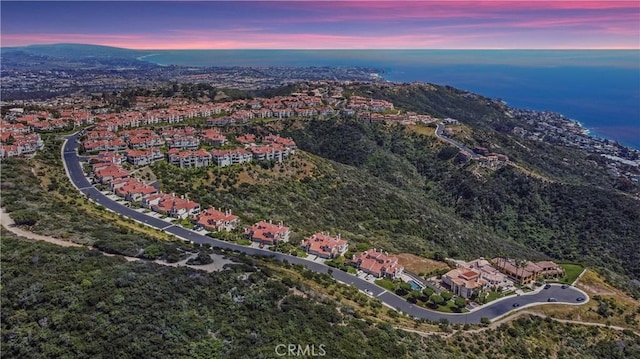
(494, 310)
(461, 147)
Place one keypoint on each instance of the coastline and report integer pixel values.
(503, 88)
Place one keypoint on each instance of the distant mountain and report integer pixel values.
(77, 51)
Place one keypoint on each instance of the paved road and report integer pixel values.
(440, 128)
(492, 311)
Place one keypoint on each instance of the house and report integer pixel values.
(377, 263)
(268, 233)
(109, 173)
(171, 205)
(527, 272)
(246, 139)
(116, 144)
(108, 157)
(132, 190)
(229, 157)
(325, 246)
(221, 121)
(143, 157)
(464, 281)
(217, 220)
(550, 269)
(489, 273)
(286, 142)
(213, 137)
(189, 159)
(268, 152)
(184, 142)
(143, 142)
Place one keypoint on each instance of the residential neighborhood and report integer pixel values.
(190, 135)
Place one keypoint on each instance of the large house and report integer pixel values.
(143, 157)
(273, 152)
(377, 263)
(171, 205)
(189, 159)
(477, 274)
(108, 157)
(268, 233)
(109, 172)
(217, 220)
(230, 157)
(527, 272)
(213, 136)
(325, 246)
(464, 281)
(131, 189)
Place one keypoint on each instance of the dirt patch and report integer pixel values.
(418, 264)
(9, 224)
(422, 129)
(144, 174)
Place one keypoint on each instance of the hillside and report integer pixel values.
(59, 302)
(77, 51)
(404, 190)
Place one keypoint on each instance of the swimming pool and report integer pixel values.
(414, 285)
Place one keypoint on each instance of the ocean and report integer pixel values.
(598, 88)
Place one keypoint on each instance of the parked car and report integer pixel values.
(580, 299)
(564, 286)
(516, 305)
(547, 286)
(552, 300)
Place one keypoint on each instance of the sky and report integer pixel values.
(325, 24)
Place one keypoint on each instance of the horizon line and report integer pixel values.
(339, 49)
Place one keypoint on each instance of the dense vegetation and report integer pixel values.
(68, 302)
(59, 210)
(578, 216)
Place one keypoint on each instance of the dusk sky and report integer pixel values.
(326, 24)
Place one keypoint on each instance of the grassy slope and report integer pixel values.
(349, 200)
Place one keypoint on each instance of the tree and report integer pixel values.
(403, 289)
(436, 299)
(25, 217)
(427, 292)
(446, 296)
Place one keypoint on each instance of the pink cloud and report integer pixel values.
(421, 40)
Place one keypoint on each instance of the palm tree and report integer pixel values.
(520, 263)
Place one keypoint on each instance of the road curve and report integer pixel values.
(492, 311)
(439, 134)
